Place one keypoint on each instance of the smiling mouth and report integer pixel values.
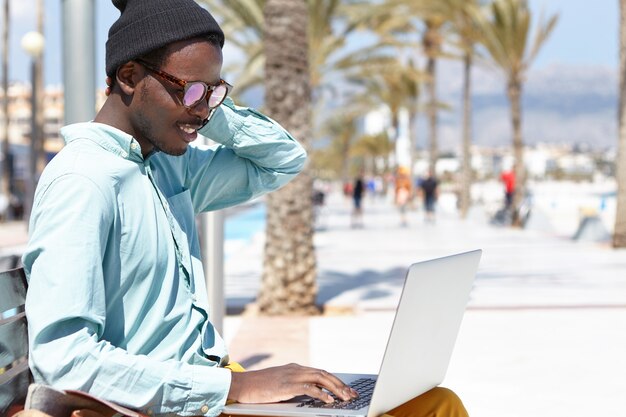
(189, 129)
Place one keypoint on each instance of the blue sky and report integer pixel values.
(587, 32)
(586, 35)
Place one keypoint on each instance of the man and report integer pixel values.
(403, 193)
(117, 303)
(508, 179)
(357, 199)
(430, 193)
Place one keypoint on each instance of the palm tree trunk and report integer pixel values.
(515, 95)
(40, 141)
(466, 181)
(7, 174)
(432, 46)
(619, 233)
(289, 268)
(345, 161)
(431, 87)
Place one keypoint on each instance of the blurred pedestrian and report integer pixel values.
(357, 199)
(508, 179)
(320, 189)
(347, 189)
(430, 192)
(403, 193)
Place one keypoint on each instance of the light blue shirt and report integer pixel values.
(117, 304)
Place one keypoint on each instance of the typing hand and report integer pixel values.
(285, 382)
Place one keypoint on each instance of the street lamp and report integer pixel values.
(33, 44)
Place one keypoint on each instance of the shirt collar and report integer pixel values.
(108, 137)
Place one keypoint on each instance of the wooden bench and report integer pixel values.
(17, 390)
(15, 375)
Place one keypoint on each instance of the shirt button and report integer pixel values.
(204, 409)
(194, 299)
(150, 412)
(134, 145)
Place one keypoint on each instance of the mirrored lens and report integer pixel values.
(195, 92)
(217, 96)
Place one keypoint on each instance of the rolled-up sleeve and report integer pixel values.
(255, 155)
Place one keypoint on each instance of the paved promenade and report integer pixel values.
(543, 334)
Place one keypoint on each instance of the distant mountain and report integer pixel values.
(561, 104)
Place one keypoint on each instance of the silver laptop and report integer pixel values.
(418, 351)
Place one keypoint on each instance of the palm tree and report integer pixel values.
(413, 79)
(7, 173)
(243, 21)
(504, 35)
(464, 26)
(330, 23)
(342, 130)
(371, 148)
(438, 17)
(398, 16)
(395, 85)
(289, 272)
(432, 42)
(619, 232)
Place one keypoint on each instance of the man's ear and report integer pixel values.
(127, 77)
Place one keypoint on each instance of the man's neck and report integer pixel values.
(113, 113)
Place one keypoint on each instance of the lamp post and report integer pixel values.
(7, 168)
(79, 45)
(33, 44)
(212, 245)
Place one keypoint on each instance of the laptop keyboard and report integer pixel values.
(365, 388)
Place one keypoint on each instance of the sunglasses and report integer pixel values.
(194, 91)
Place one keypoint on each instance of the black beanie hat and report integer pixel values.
(146, 25)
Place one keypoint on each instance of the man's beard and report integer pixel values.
(145, 127)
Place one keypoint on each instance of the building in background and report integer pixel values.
(20, 129)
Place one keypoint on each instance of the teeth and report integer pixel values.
(187, 128)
